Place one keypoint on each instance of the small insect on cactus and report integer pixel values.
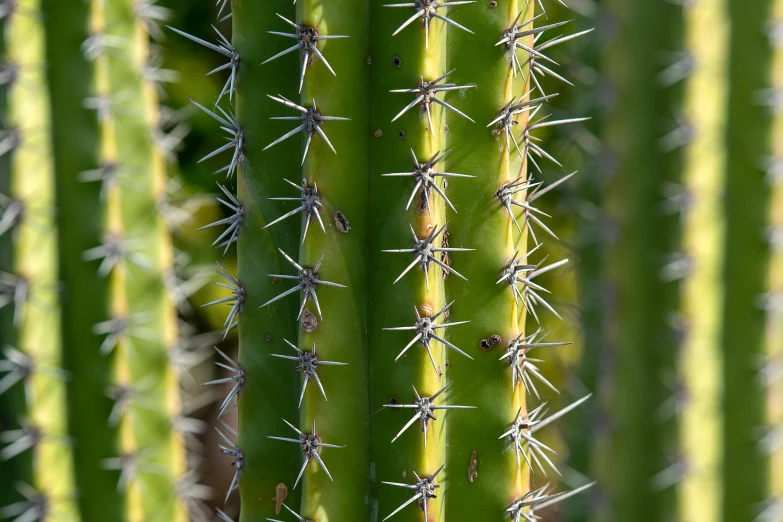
(385, 158)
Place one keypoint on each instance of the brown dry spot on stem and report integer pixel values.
(490, 342)
(422, 204)
(281, 492)
(341, 222)
(473, 467)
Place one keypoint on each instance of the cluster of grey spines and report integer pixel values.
(19, 293)
(515, 272)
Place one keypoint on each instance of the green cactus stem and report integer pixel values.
(30, 289)
(85, 296)
(269, 389)
(343, 202)
(404, 216)
(703, 239)
(586, 426)
(94, 322)
(485, 476)
(11, 396)
(341, 335)
(745, 203)
(150, 308)
(774, 325)
(640, 360)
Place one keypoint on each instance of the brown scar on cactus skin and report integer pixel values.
(422, 204)
(490, 342)
(445, 257)
(473, 467)
(309, 321)
(281, 492)
(341, 222)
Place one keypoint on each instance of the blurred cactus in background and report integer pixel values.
(386, 193)
(89, 284)
(679, 432)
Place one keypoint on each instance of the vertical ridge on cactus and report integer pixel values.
(407, 69)
(88, 293)
(11, 399)
(488, 479)
(81, 226)
(30, 291)
(146, 296)
(271, 389)
(746, 201)
(336, 154)
(774, 334)
(703, 238)
(640, 396)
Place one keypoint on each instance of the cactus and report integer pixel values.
(82, 227)
(584, 231)
(147, 307)
(11, 400)
(773, 342)
(750, 206)
(90, 259)
(692, 410)
(702, 263)
(398, 171)
(29, 290)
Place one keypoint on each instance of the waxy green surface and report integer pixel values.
(81, 217)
